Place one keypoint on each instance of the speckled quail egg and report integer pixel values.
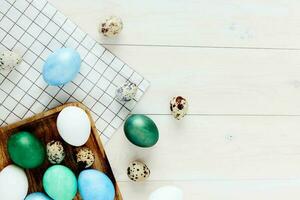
(112, 26)
(9, 60)
(126, 92)
(138, 171)
(55, 152)
(179, 107)
(85, 158)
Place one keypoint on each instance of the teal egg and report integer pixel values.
(60, 183)
(141, 131)
(37, 196)
(61, 66)
(95, 185)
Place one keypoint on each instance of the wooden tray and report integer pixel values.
(43, 126)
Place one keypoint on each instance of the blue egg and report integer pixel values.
(61, 66)
(37, 196)
(95, 185)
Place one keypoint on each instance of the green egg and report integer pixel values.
(26, 150)
(60, 183)
(141, 131)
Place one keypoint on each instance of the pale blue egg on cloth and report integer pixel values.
(61, 66)
(95, 185)
(37, 196)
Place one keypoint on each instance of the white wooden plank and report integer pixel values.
(218, 81)
(217, 190)
(248, 23)
(215, 148)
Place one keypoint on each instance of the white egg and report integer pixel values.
(167, 192)
(74, 126)
(13, 183)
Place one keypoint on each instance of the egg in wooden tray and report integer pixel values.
(55, 155)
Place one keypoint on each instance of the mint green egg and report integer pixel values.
(60, 183)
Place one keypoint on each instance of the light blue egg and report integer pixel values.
(37, 196)
(61, 66)
(95, 185)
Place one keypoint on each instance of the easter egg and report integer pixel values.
(126, 92)
(13, 183)
(37, 196)
(26, 150)
(9, 60)
(85, 157)
(55, 152)
(61, 66)
(60, 183)
(141, 131)
(112, 26)
(179, 107)
(74, 126)
(95, 185)
(167, 192)
(138, 171)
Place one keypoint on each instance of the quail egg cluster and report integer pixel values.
(126, 92)
(178, 107)
(55, 152)
(138, 171)
(85, 158)
(9, 60)
(112, 26)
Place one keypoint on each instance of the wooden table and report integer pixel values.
(238, 63)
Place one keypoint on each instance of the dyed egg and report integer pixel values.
(55, 152)
(74, 125)
(84, 157)
(178, 107)
(112, 26)
(9, 60)
(95, 185)
(13, 183)
(141, 131)
(26, 150)
(37, 196)
(61, 67)
(167, 192)
(60, 183)
(138, 171)
(126, 92)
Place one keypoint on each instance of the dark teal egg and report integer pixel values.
(26, 150)
(141, 131)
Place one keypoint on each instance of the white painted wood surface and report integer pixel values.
(233, 23)
(238, 62)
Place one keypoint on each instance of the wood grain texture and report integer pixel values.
(215, 148)
(216, 157)
(234, 23)
(217, 190)
(218, 81)
(44, 127)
